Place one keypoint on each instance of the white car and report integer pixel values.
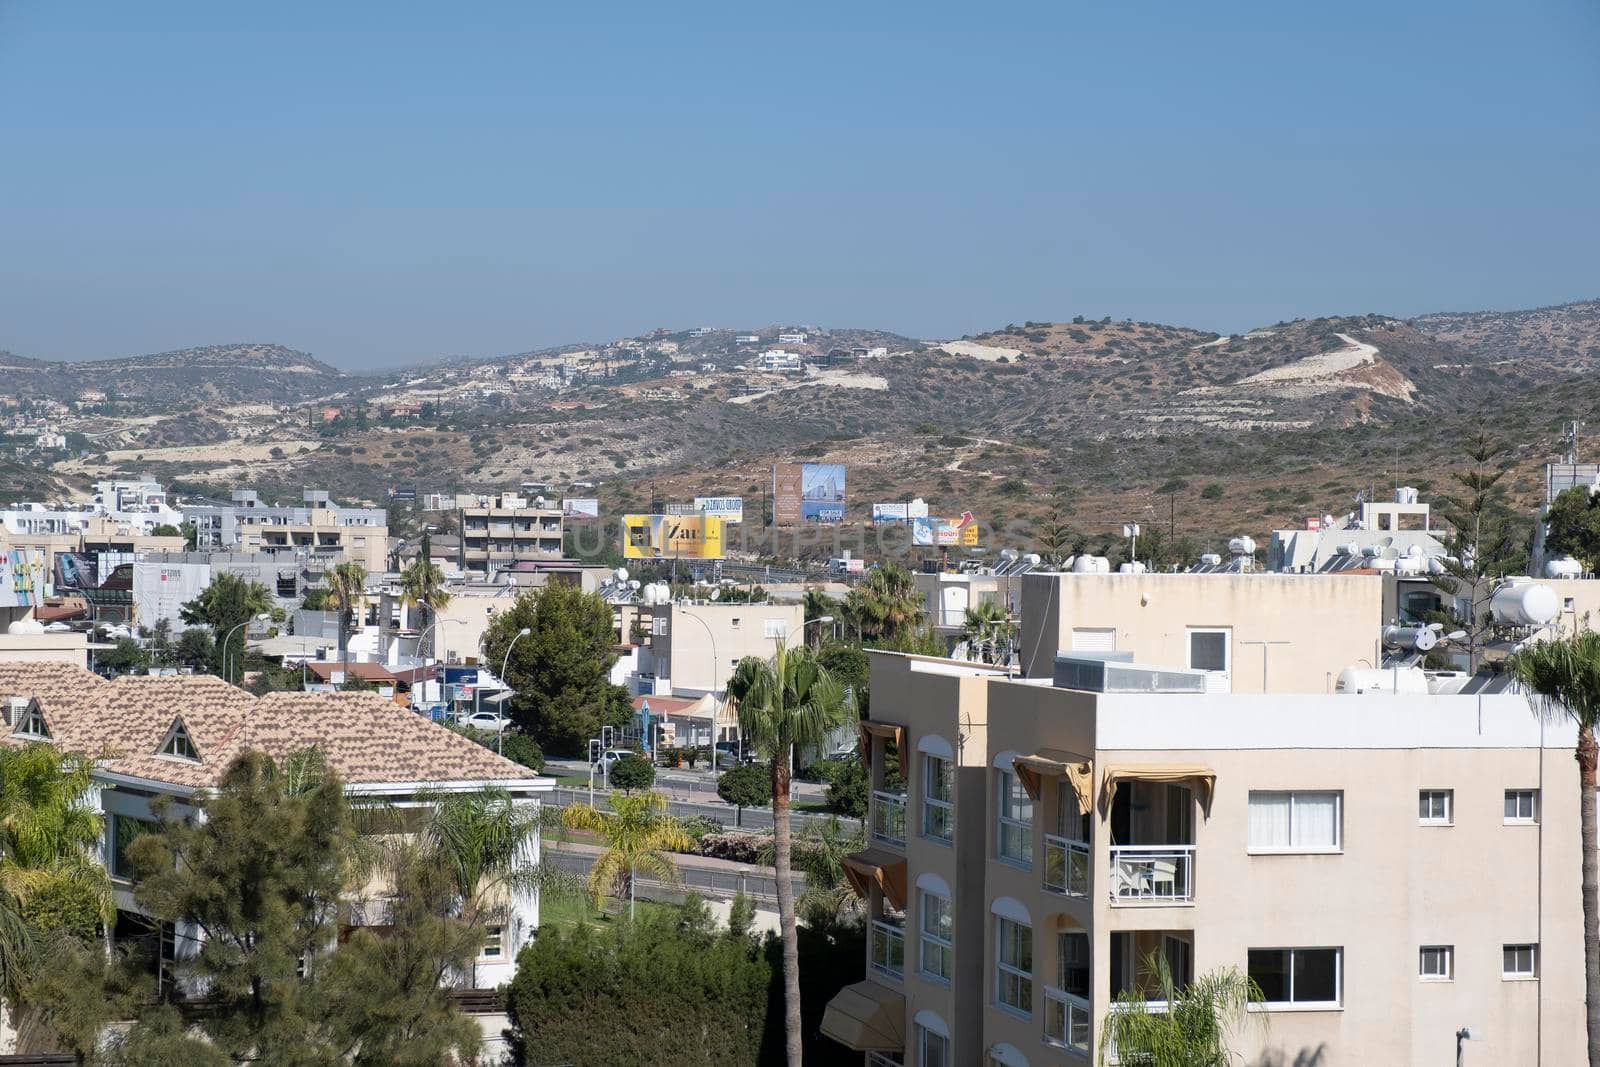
(492, 721)
(609, 757)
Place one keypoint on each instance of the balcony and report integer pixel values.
(888, 949)
(1066, 1020)
(1152, 874)
(889, 817)
(1066, 866)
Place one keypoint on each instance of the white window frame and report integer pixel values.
(1444, 957)
(1226, 673)
(1306, 1005)
(493, 943)
(1431, 795)
(930, 803)
(1006, 785)
(1520, 975)
(1293, 847)
(924, 1035)
(32, 723)
(775, 628)
(943, 947)
(1014, 972)
(1519, 819)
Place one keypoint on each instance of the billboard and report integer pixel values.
(807, 492)
(23, 573)
(900, 511)
(75, 571)
(580, 507)
(671, 537)
(726, 508)
(936, 532)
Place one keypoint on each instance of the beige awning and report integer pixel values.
(867, 1017)
(1056, 763)
(1199, 777)
(879, 867)
(889, 731)
(1062, 920)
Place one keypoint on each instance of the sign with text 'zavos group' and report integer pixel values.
(671, 537)
(726, 508)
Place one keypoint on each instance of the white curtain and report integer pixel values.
(1269, 820)
(1316, 820)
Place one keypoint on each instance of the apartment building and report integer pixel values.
(319, 528)
(1251, 632)
(174, 736)
(946, 596)
(508, 529)
(692, 648)
(1388, 869)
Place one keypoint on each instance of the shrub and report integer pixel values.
(520, 748)
(847, 792)
(632, 772)
(745, 786)
(737, 846)
(1212, 491)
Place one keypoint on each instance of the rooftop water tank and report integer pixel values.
(1409, 565)
(1211, 559)
(1563, 567)
(25, 628)
(1524, 602)
(1032, 559)
(1410, 638)
(1091, 565)
(1131, 568)
(1349, 548)
(1242, 546)
(1408, 680)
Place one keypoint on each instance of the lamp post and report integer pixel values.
(262, 617)
(500, 735)
(716, 704)
(437, 621)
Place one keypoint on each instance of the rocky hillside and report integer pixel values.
(187, 377)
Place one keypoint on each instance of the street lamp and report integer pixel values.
(500, 737)
(716, 704)
(438, 621)
(262, 617)
(1463, 1035)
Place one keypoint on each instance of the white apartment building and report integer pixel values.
(1388, 869)
(317, 528)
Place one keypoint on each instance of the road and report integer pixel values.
(711, 878)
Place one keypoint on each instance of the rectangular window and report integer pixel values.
(1013, 966)
(1522, 805)
(492, 942)
(1304, 977)
(1015, 827)
(123, 830)
(1436, 807)
(1296, 822)
(1209, 651)
(1073, 974)
(938, 795)
(1436, 963)
(934, 1048)
(1093, 639)
(774, 628)
(1519, 961)
(938, 934)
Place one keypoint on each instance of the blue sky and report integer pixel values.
(385, 183)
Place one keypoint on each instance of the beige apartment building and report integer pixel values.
(508, 529)
(1389, 869)
(1251, 632)
(693, 648)
(318, 529)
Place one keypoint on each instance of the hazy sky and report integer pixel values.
(387, 182)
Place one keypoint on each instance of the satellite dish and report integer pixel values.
(715, 593)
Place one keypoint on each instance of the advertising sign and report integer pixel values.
(671, 537)
(22, 577)
(76, 570)
(580, 507)
(786, 494)
(899, 511)
(807, 492)
(936, 532)
(726, 508)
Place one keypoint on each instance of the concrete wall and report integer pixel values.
(684, 653)
(44, 648)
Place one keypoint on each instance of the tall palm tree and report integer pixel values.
(347, 591)
(785, 702)
(819, 854)
(817, 604)
(1195, 1029)
(49, 834)
(1564, 677)
(422, 586)
(885, 606)
(985, 626)
(640, 835)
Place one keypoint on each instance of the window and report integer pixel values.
(938, 931)
(1093, 639)
(123, 830)
(1519, 961)
(933, 1049)
(1305, 977)
(179, 744)
(1437, 963)
(1209, 651)
(1015, 844)
(1074, 963)
(493, 942)
(1436, 807)
(32, 722)
(938, 811)
(774, 628)
(1013, 965)
(1522, 805)
(1295, 822)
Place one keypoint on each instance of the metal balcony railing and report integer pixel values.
(1066, 866)
(889, 817)
(1152, 874)
(888, 949)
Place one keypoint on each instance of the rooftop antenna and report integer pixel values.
(1574, 428)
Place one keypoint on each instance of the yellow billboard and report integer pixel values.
(672, 536)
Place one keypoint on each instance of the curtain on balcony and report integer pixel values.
(1202, 779)
(1057, 763)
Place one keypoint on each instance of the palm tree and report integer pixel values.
(1193, 1031)
(49, 834)
(886, 605)
(1564, 677)
(817, 604)
(347, 591)
(422, 586)
(819, 854)
(639, 836)
(785, 702)
(985, 626)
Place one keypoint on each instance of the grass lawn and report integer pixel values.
(567, 913)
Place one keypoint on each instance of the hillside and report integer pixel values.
(199, 376)
(1556, 339)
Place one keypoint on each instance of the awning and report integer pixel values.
(1200, 778)
(1056, 763)
(1063, 920)
(889, 731)
(867, 1017)
(881, 868)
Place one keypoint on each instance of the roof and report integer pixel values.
(367, 739)
(366, 670)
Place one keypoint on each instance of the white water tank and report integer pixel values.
(1242, 546)
(1349, 548)
(1409, 565)
(1524, 602)
(1410, 638)
(1131, 568)
(1032, 559)
(1211, 559)
(1405, 680)
(25, 628)
(1091, 565)
(1563, 567)
(1405, 495)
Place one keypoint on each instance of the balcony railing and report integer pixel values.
(1152, 1007)
(889, 817)
(1066, 866)
(1152, 874)
(1066, 1020)
(888, 949)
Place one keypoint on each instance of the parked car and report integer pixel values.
(610, 757)
(728, 753)
(492, 721)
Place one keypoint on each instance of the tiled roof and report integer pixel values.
(366, 738)
(366, 670)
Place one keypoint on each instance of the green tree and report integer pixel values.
(127, 656)
(560, 672)
(422, 586)
(746, 785)
(988, 630)
(1212, 491)
(50, 834)
(631, 772)
(848, 789)
(347, 593)
(819, 854)
(1195, 1030)
(885, 606)
(195, 648)
(639, 836)
(1054, 533)
(166, 529)
(225, 606)
(316, 599)
(1564, 677)
(786, 703)
(1573, 526)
